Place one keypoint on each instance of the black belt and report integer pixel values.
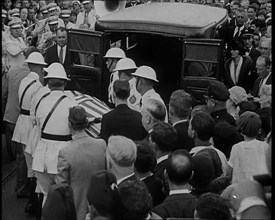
(56, 137)
(24, 112)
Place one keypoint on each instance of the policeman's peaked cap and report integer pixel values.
(115, 52)
(146, 72)
(56, 71)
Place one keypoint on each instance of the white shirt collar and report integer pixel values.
(162, 158)
(179, 191)
(124, 178)
(180, 121)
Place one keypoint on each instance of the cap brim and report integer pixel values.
(40, 63)
(65, 16)
(55, 22)
(16, 26)
(125, 69)
(52, 77)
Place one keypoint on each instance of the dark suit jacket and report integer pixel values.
(183, 140)
(255, 90)
(158, 171)
(243, 77)
(52, 57)
(177, 206)
(155, 187)
(122, 121)
(254, 54)
(222, 115)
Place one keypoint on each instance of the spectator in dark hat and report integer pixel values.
(216, 97)
(237, 68)
(261, 14)
(225, 136)
(248, 158)
(60, 203)
(136, 201)
(180, 106)
(78, 160)
(212, 206)
(103, 196)
(256, 4)
(180, 203)
(122, 120)
(144, 165)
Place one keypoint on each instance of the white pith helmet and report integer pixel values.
(115, 52)
(125, 64)
(56, 71)
(146, 72)
(36, 58)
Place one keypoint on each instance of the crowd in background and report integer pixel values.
(152, 160)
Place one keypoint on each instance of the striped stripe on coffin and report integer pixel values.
(94, 108)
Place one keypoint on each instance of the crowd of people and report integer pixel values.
(151, 159)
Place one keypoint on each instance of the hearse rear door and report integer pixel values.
(87, 75)
(202, 61)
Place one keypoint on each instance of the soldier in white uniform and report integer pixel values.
(125, 68)
(146, 77)
(87, 18)
(112, 56)
(15, 45)
(27, 89)
(65, 16)
(52, 120)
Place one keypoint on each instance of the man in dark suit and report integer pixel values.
(252, 52)
(263, 66)
(144, 166)
(163, 137)
(180, 106)
(59, 53)
(234, 32)
(180, 203)
(122, 120)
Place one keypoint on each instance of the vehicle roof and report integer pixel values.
(183, 19)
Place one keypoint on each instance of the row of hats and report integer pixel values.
(128, 64)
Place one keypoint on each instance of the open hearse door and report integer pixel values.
(87, 76)
(203, 61)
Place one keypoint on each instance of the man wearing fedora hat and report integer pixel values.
(52, 119)
(80, 160)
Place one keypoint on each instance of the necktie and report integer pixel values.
(61, 55)
(237, 33)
